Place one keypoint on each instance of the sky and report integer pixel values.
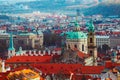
(83, 1)
(17, 0)
(14, 1)
(113, 1)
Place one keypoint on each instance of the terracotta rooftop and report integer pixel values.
(82, 55)
(29, 59)
(109, 64)
(69, 68)
(58, 68)
(92, 69)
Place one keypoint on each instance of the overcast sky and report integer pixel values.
(84, 1)
(14, 1)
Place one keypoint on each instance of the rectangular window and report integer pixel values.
(75, 46)
(82, 47)
(91, 40)
(91, 52)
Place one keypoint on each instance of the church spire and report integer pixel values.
(77, 27)
(76, 24)
(91, 27)
(11, 46)
(11, 49)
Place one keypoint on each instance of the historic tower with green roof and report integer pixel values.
(11, 49)
(76, 39)
(92, 49)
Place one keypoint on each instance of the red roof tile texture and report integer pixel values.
(92, 69)
(68, 68)
(58, 68)
(110, 64)
(29, 59)
(82, 55)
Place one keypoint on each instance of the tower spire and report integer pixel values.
(11, 49)
(11, 46)
(77, 27)
(91, 27)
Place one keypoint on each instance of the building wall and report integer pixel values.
(80, 44)
(26, 42)
(101, 40)
(114, 41)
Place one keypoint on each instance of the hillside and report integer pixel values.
(106, 10)
(59, 7)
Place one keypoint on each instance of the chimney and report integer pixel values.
(49, 52)
(39, 52)
(44, 52)
(34, 52)
(30, 53)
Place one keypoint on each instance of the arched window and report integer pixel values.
(91, 40)
(75, 46)
(82, 47)
(68, 46)
(91, 52)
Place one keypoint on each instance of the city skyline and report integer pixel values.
(60, 40)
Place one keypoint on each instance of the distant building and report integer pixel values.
(28, 40)
(101, 40)
(25, 40)
(114, 41)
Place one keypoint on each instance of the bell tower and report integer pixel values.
(92, 49)
(11, 49)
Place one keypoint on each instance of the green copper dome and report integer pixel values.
(76, 35)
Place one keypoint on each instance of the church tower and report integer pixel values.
(92, 49)
(11, 49)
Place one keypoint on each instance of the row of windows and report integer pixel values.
(75, 46)
(102, 39)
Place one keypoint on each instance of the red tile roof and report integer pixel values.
(57, 49)
(82, 55)
(58, 68)
(3, 76)
(115, 33)
(92, 69)
(29, 59)
(110, 64)
(58, 31)
(21, 68)
(79, 77)
(69, 68)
